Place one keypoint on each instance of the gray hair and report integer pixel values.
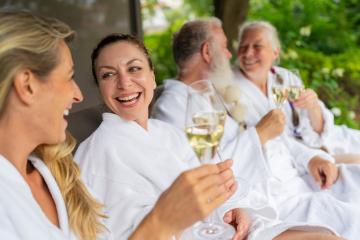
(189, 39)
(271, 32)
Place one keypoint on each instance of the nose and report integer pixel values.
(123, 81)
(248, 51)
(78, 97)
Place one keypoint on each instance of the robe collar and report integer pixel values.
(7, 170)
(257, 103)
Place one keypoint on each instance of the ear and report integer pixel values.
(25, 86)
(154, 81)
(205, 52)
(276, 54)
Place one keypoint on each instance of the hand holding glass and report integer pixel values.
(204, 127)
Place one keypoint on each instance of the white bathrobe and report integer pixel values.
(21, 216)
(128, 167)
(336, 139)
(297, 196)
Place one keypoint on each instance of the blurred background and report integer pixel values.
(320, 38)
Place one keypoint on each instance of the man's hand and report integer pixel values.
(271, 125)
(241, 222)
(324, 172)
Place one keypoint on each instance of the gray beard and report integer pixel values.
(220, 73)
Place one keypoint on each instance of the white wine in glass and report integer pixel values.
(294, 92)
(204, 136)
(280, 94)
(204, 128)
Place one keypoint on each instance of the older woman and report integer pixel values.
(307, 118)
(41, 194)
(130, 160)
(294, 178)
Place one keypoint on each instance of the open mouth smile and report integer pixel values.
(129, 100)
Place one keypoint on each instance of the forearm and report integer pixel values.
(316, 119)
(151, 228)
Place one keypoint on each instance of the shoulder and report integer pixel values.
(167, 131)
(161, 126)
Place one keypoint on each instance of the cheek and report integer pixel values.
(105, 90)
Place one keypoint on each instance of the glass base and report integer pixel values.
(207, 230)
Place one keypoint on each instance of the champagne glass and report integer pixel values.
(205, 120)
(279, 94)
(295, 90)
(295, 87)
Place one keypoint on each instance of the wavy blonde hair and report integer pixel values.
(29, 41)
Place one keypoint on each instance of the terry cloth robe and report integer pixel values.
(128, 168)
(295, 193)
(21, 216)
(336, 139)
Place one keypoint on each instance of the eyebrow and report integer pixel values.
(127, 63)
(134, 60)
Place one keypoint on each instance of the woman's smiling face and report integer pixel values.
(126, 81)
(256, 55)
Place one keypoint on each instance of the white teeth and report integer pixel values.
(129, 98)
(66, 112)
(250, 62)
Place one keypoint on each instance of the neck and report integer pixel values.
(16, 143)
(143, 122)
(260, 81)
(189, 76)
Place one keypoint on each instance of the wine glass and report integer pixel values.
(205, 120)
(295, 89)
(279, 94)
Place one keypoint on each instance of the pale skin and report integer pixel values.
(29, 97)
(198, 67)
(185, 201)
(128, 75)
(272, 125)
(256, 56)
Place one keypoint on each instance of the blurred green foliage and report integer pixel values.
(320, 38)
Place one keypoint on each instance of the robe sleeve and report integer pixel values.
(246, 151)
(128, 206)
(303, 154)
(309, 135)
(312, 138)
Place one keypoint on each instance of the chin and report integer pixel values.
(58, 139)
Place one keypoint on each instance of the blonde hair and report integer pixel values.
(29, 41)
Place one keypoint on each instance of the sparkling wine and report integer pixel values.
(294, 92)
(279, 94)
(204, 139)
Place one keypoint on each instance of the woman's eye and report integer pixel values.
(242, 48)
(107, 75)
(134, 69)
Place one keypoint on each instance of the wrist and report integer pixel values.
(151, 228)
(262, 136)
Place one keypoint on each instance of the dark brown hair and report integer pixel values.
(114, 38)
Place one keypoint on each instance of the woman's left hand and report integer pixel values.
(307, 100)
(324, 172)
(241, 222)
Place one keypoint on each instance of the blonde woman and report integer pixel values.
(41, 194)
